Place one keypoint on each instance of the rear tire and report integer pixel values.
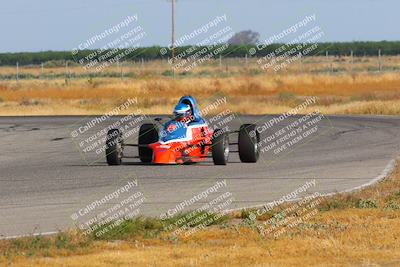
(148, 134)
(248, 143)
(114, 147)
(220, 147)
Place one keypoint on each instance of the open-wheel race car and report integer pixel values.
(185, 139)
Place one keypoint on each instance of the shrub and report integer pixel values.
(366, 204)
(168, 73)
(286, 96)
(392, 205)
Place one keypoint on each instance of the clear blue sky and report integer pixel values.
(37, 25)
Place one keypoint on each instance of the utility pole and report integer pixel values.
(66, 73)
(301, 62)
(17, 72)
(329, 62)
(379, 59)
(351, 59)
(119, 68)
(173, 32)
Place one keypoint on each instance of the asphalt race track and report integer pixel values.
(45, 177)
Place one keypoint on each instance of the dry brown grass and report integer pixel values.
(370, 243)
(234, 65)
(356, 89)
(362, 93)
(339, 235)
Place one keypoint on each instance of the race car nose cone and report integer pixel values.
(163, 156)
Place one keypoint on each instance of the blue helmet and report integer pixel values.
(182, 111)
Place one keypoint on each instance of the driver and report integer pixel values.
(183, 113)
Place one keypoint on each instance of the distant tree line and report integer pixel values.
(154, 52)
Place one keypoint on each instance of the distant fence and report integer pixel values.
(357, 49)
(326, 63)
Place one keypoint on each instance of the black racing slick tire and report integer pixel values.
(249, 140)
(114, 147)
(220, 147)
(148, 134)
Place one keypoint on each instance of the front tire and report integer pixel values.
(114, 147)
(220, 147)
(249, 139)
(148, 134)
